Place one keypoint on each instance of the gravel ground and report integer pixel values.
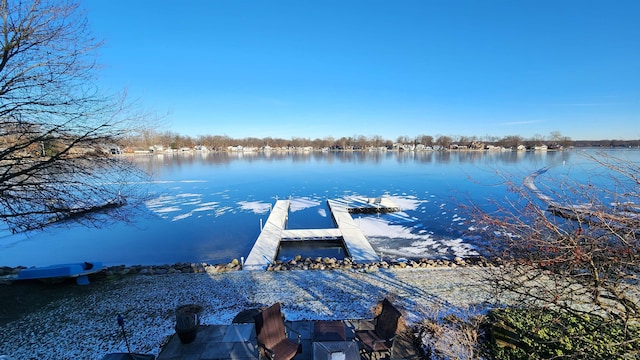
(83, 325)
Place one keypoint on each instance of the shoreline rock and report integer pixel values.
(298, 263)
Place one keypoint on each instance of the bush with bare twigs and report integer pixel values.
(573, 248)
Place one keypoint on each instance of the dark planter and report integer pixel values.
(187, 336)
(187, 322)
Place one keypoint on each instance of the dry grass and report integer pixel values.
(451, 336)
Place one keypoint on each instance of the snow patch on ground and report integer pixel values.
(85, 327)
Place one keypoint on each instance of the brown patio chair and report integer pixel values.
(273, 342)
(382, 337)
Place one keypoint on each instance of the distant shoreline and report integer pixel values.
(243, 150)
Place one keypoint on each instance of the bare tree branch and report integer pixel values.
(55, 125)
(571, 246)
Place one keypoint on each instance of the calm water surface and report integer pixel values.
(207, 207)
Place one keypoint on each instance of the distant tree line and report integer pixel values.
(607, 143)
(173, 140)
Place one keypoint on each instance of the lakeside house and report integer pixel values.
(458, 147)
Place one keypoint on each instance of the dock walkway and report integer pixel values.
(266, 247)
(358, 248)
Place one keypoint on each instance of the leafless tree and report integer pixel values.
(444, 141)
(463, 140)
(535, 140)
(511, 141)
(377, 140)
(557, 139)
(572, 246)
(56, 127)
(426, 140)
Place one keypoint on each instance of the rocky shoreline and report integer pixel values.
(298, 263)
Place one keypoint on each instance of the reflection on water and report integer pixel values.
(171, 161)
(311, 249)
(208, 207)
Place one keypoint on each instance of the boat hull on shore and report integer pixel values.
(80, 271)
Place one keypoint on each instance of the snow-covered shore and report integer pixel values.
(85, 326)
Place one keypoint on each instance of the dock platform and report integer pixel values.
(379, 205)
(265, 249)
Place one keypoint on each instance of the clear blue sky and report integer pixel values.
(341, 68)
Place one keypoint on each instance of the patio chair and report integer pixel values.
(273, 342)
(382, 337)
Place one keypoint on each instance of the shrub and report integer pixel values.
(541, 333)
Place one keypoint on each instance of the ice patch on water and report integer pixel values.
(406, 202)
(457, 218)
(159, 201)
(420, 248)
(423, 243)
(205, 208)
(256, 206)
(168, 209)
(378, 227)
(181, 217)
(459, 248)
(208, 206)
(188, 195)
(400, 216)
(210, 203)
(298, 204)
(223, 210)
(186, 203)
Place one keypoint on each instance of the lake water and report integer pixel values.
(207, 207)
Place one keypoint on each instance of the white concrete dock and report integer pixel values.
(266, 247)
(358, 248)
